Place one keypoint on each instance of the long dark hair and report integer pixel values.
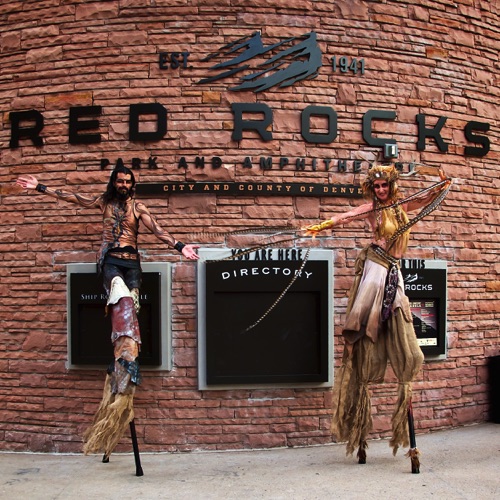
(110, 192)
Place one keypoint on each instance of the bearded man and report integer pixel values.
(119, 262)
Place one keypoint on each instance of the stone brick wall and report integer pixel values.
(436, 58)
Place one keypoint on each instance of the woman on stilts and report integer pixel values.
(379, 325)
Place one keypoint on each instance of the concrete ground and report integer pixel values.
(462, 463)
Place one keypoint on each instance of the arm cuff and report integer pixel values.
(41, 188)
(179, 246)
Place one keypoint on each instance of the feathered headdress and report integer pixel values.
(381, 172)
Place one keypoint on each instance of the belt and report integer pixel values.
(385, 255)
(124, 255)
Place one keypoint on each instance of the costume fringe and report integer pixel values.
(110, 422)
(361, 420)
(370, 344)
(400, 434)
(352, 419)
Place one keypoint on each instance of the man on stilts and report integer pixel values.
(119, 263)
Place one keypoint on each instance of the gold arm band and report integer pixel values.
(316, 228)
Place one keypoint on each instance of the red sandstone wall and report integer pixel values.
(439, 58)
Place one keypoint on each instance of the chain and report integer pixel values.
(424, 212)
(401, 201)
(272, 230)
(282, 294)
(276, 230)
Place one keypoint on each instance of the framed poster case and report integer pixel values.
(249, 334)
(89, 329)
(425, 284)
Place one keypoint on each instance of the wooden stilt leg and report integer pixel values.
(137, 458)
(413, 453)
(362, 452)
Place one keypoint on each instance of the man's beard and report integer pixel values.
(122, 194)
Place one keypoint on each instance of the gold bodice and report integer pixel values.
(388, 222)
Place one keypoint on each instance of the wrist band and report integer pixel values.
(41, 188)
(179, 246)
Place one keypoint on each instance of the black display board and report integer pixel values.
(425, 287)
(494, 388)
(289, 345)
(90, 328)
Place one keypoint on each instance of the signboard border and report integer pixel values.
(430, 352)
(221, 253)
(164, 269)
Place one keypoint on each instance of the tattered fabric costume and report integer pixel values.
(120, 265)
(116, 409)
(378, 329)
(371, 342)
(119, 262)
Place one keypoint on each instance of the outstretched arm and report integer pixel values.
(189, 251)
(428, 197)
(31, 182)
(358, 213)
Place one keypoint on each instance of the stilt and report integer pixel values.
(363, 445)
(413, 453)
(135, 446)
(137, 458)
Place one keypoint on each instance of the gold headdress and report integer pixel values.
(379, 172)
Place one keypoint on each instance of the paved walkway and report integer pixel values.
(462, 463)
